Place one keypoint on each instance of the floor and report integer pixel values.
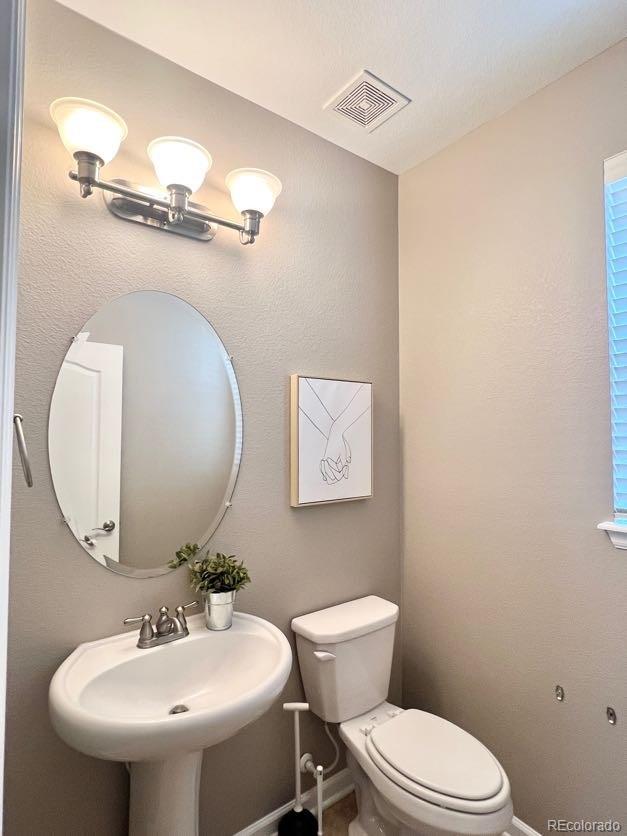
(336, 818)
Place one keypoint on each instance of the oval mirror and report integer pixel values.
(145, 432)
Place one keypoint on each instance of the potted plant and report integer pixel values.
(217, 577)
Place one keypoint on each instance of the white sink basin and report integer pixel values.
(111, 700)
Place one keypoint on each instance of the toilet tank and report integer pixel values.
(345, 656)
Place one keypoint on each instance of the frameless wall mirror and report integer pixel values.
(145, 432)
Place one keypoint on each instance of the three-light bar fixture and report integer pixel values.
(93, 133)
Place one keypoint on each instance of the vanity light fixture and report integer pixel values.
(93, 133)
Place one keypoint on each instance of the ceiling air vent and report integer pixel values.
(367, 101)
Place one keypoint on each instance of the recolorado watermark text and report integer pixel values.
(583, 826)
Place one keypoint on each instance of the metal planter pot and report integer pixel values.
(218, 608)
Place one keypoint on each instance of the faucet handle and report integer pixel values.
(137, 618)
(146, 632)
(180, 612)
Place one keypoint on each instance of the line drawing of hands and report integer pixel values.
(335, 463)
(329, 473)
(336, 460)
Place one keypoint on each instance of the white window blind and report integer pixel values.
(616, 235)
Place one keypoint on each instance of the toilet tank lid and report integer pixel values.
(346, 621)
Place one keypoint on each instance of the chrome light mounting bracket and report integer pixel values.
(150, 213)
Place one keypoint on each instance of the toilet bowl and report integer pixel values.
(415, 774)
(423, 775)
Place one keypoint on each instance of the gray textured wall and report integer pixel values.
(508, 586)
(317, 294)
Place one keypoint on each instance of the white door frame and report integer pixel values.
(12, 14)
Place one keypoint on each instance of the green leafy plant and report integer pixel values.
(212, 573)
(184, 555)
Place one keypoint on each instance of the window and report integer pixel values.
(616, 247)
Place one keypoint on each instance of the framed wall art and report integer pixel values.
(331, 440)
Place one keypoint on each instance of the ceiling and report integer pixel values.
(461, 62)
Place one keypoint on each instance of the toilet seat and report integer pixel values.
(438, 762)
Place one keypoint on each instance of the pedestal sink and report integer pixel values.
(111, 700)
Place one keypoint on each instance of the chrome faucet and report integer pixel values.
(168, 628)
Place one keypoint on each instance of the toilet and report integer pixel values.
(415, 774)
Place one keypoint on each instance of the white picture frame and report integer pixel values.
(331, 440)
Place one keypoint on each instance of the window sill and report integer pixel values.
(616, 533)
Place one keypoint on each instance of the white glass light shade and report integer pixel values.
(253, 189)
(179, 162)
(88, 126)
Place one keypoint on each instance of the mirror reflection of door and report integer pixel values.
(85, 442)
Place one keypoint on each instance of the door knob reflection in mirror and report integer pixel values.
(106, 528)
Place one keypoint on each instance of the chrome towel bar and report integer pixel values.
(18, 422)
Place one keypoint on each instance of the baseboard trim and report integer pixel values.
(336, 787)
(519, 828)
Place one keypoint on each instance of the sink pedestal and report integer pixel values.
(164, 796)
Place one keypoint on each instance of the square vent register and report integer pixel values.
(367, 101)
